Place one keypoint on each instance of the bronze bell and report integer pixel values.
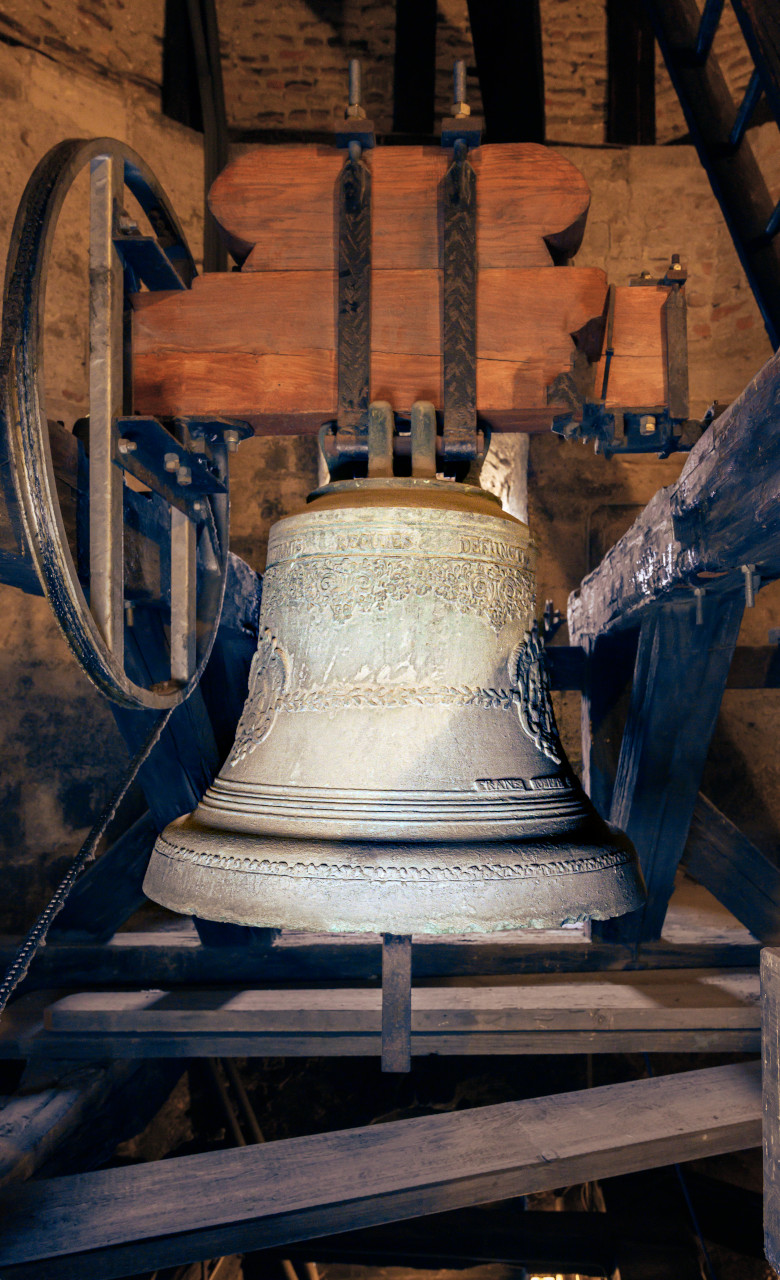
(397, 766)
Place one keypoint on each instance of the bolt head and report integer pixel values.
(184, 475)
(232, 439)
(171, 461)
(127, 446)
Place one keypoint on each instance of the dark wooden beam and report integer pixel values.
(608, 670)
(679, 678)
(770, 1002)
(584, 1013)
(735, 177)
(69, 1117)
(193, 94)
(174, 957)
(721, 514)
(630, 74)
(730, 866)
(414, 76)
(117, 1221)
(760, 23)
(507, 36)
(109, 891)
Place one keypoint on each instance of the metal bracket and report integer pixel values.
(651, 429)
(459, 259)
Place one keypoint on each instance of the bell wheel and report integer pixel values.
(137, 589)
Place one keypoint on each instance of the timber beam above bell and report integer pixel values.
(261, 344)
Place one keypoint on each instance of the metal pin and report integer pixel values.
(129, 614)
(699, 596)
(459, 82)
(750, 589)
(355, 86)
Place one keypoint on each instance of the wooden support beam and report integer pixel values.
(34, 1122)
(760, 23)
(734, 174)
(144, 1217)
(738, 874)
(396, 1002)
(679, 678)
(630, 74)
(608, 670)
(261, 346)
(507, 36)
(109, 891)
(770, 1018)
(67, 1117)
(706, 1012)
(174, 957)
(529, 198)
(723, 512)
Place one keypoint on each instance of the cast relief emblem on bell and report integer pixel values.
(528, 670)
(269, 677)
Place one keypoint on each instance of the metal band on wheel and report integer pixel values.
(96, 634)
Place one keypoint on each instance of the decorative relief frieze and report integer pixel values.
(342, 697)
(387, 872)
(344, 586)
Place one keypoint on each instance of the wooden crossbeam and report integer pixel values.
(175, 957)
(770, 999)
(730, 866)
(261, 346)
(679, 678)
(507, 38)
(530, 198)
(723, 512)
(67, 1117)
(109, 891)
(116, 1221)
(699, 1011)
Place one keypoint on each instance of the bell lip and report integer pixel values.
(417, 492)
(605, 881)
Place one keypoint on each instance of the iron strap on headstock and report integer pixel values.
(459, 259)
(348, 441)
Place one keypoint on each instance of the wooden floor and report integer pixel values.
(116, 1222)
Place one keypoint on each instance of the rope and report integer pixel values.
(19, 966)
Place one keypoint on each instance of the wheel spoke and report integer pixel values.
(106, 572)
